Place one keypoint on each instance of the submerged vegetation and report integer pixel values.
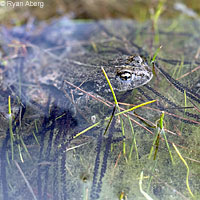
(69, 135)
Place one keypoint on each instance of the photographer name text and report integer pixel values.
(22, 4)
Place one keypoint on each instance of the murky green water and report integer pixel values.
(46, 158)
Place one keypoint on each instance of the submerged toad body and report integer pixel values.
(131, 73)
(125, 73)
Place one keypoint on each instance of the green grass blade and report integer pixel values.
(25, 148)
(35, 137)
(185, 97)
(141, 190)
(111, 88)
(165, 137)
(155, 54)
(7, 158)
(151, 177)
(10, 128)
(167, 144)
(133, 108)
(116, 103)
(123, 134)
(20, 153)
(133, 143)
(9, 106)
(162, 120)
(157, 146)
(36, 128)
(180, 67)
(152, 147)
(188, 171)
(111, 117)
(155, 18)
(87, 129)
(108, 118)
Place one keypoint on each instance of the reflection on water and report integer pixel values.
(53, 76)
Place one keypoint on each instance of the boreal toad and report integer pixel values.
(124, 72)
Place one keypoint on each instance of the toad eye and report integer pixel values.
(124, 75)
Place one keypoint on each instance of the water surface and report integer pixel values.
(41, 69)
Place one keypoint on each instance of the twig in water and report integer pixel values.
(25, 179)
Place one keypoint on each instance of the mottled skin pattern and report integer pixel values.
(134, 73)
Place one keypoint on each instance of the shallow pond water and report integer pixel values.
(52, 73)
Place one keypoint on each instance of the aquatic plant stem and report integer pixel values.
(111, 117)
(35, 137)
(185, 97)
(160, 130)
(107, 118)
(36, 129)
(141, 190)
(25, 148)
(25, 179)
(167, 144)
(20, 153)
(188, 171)
(133, 143)
(10, 128)
(133, 108)
(87, 129)
(155, 54)
(185, 110)
(165, 137)
(111, 88)
(155, 18)
(151, 177)
(116, 104)
(154, 142)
